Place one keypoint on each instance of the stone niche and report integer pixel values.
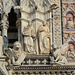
(38, 12)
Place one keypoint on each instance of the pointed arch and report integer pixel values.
(12, 30)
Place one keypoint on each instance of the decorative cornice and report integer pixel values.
(37, 56)
(67, 67)
(23, 11)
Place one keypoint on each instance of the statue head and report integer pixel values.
(54, 46)
(17, 45)
(44, 23)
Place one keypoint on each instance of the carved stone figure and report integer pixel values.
(17, 54)
(71, 53)
(1, 44)
(70, 23)
(59, 57)
(29, 36)
(44, 38)
(71, 49)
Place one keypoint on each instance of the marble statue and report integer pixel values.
(29, 37)
(1, 45)
(70, 23)
(17, 54)
(59, 57)
(44, 38)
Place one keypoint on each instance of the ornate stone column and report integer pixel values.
(18, 24)
(4, 25)
(57, 28)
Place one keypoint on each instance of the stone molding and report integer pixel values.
(67, 67)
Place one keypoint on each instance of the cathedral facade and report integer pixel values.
(37, 37)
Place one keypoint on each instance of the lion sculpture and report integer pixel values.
(59, 57)
(17, 54)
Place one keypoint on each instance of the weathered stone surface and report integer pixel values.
(38, 23)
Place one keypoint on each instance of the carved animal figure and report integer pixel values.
(17, 54)
(60, 59)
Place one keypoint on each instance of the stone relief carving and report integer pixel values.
(68, 49)
(1, 45)
(29, 37)
(71, 49)
(69, 24)
(71, 53)
(17, 54)
(44, 38)
(59, 57)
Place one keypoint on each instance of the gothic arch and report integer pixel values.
(10, 4)
(12, 30)
(68, 15)
(68, 11)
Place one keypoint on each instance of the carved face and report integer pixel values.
(44, 23)
(17, 45)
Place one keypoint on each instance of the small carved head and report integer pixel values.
(17, 45)
(54, 46)
(44, 23)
